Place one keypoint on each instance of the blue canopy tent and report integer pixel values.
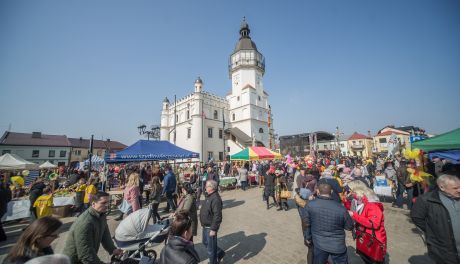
(452, 155)
(144, 150)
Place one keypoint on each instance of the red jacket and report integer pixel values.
(372, 211)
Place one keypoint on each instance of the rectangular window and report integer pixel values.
(189, 132)
(221, 133)
(210, 155)
(6, 151)
(325, 146)
(35, 153)
(382, 140)
(51, 153)
(210, 132)
(221, 156)
(62, 153)
(342, 145)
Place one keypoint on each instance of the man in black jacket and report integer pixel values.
(210, 218)
(327, 219)
(436, 213)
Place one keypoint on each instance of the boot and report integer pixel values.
(120, 217)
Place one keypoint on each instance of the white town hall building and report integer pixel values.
(215, 126)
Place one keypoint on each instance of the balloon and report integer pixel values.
(17, 179)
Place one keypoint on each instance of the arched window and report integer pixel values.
(215, 114)
(233, 117)
(261, 130)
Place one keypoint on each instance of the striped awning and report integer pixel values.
(256, 153)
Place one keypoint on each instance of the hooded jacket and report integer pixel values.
(372, 212)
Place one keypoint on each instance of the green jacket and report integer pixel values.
(188, 204)
(85, 236)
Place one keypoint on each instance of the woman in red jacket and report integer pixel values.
(367, 212)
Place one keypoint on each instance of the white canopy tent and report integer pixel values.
(14, 162)
(47, 165)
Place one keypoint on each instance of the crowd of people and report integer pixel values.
(332, 196)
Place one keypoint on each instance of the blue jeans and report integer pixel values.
(244, 185)
(170, 201)
(320, 257)
(210, 242)
(399, 195)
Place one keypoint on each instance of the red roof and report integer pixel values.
(356, 135)
(387, 133)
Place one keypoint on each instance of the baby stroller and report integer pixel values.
(134, 235)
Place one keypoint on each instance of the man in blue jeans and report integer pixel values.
(169, 189)
(210, 218)
(328, 219)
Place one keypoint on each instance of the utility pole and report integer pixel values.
(90, 154)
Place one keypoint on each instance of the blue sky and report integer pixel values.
(103, 67)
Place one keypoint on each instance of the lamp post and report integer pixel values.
(154, 131)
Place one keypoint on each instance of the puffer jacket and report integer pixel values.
(179, 251)
(327, 219)
(87, 233)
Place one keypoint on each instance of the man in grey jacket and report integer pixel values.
(327, 219)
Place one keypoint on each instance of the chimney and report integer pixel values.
(36, 134)
(81, 138)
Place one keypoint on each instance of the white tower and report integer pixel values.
(198, 85)
(164, 125)
(248, 101)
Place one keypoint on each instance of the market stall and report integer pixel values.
(443, 142)
(146, 150)
(47, 165)
(14, 162)
(256, 153)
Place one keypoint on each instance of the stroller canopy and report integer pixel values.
(135, 227)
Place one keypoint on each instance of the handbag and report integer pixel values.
(125, 207)
(369, 247)
(285, 194)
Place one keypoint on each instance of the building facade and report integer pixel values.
(37, 147)
(57, 149)
(360, 145)
(215, 126)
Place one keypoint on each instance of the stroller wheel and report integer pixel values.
(152, 254)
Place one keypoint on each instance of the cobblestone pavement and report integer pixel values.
(252, 234)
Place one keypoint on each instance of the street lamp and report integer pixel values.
(154, 131)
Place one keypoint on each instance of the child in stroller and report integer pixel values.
(134, 235)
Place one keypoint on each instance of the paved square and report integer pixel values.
(252, 234)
